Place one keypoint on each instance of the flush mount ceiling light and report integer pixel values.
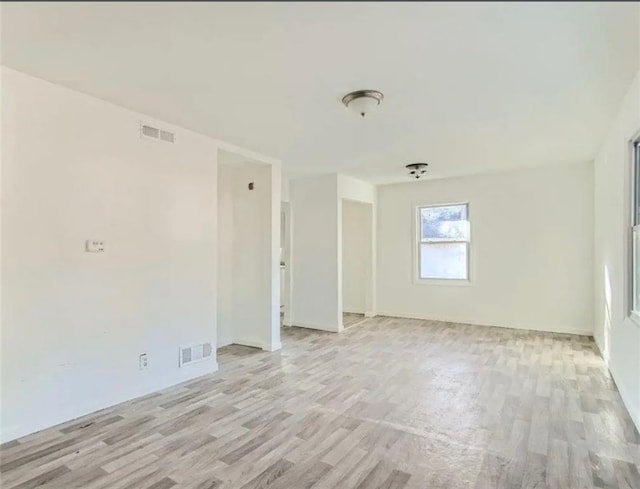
(362, 101)
(416, 170)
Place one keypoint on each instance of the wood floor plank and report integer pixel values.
(164, 483)
(375, 477)
(43, 479)
(396, 480)
(269, 475)
(80, 478)
(387, 404)
(65, 444)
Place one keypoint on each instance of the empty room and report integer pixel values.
(317, 245)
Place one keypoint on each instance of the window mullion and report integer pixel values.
(443, 241)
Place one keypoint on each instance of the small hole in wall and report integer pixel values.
(250, 185)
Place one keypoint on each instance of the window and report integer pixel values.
(443, 242)
(635, 218)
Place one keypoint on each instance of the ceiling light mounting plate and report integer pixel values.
(417, 170)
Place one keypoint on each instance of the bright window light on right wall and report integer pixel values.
(635, 227)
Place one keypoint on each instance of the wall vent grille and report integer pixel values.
(195, 353)
(167, 136)
(150, 132)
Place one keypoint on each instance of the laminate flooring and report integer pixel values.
(389, 403)
(351, 319)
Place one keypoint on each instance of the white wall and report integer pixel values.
(531, 250)
(244, 254)
(286, 185)
(286, 248)
(316, 256)
(356, 256)
(74, 323)
(356, 190)
(617, 336)
(273, 253)
(315, 266)
(225, 255)
(353, 190)
(285, 256)
(252, 259)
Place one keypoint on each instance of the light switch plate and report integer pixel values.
(94, 246)
(143, 361)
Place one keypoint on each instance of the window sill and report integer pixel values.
(635, 318)
(455, 282)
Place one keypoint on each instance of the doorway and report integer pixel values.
(285, 264)
(357, 262)
(248, 228)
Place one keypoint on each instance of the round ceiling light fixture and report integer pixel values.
(417, 170)
(362, 101)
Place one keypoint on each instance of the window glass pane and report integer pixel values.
(443, 260)
(445, 222)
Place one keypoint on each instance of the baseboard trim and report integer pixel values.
(318, 327)
(253, 343)
(632, 409)
(367, 314)
(493, 325)
(19, 431)
(352, 311)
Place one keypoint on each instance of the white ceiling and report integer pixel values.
(469, 87)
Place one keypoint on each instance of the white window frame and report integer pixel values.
(417, 241)
(634, 311)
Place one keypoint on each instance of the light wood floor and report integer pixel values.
(351, 319)
(389, 404)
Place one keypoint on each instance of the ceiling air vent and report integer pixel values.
(195, 353)
(150, 132)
